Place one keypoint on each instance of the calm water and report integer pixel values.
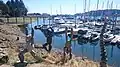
(91, 51)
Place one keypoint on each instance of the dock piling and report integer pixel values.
(37, 21)
(7, 19)
(16, 19)
(23, 20)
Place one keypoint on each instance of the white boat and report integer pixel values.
(115, 40)
(94, 36)
(99, 24)
(58, 20)
(87, 35)
(42, 27)
(75, 33)
(82, 31)
(58, 30)
(108, 38)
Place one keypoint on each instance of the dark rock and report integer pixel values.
(3, 56)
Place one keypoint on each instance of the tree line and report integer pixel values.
(13, 8)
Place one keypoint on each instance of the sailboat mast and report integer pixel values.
(84, 8)
(89, 5)
(51, 9)
(89, 8)
(111, 5)
(75, 8)
(97, 4)
(97, 8)
(60, 9)
(102, 15)
(108, 4)
(51, 14)
(75, 15)
(116, 16)
(56, 12)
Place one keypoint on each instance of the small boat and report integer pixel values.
(94, 36)
(98, 25)
(37, 27)
(75, 36)
(42, 27)
(118, 43)
(82, 31)
(87, 35)
(108, 38)
(59, 20)
(58, 30)
(75, 33)
(82, 41)
(115, 40)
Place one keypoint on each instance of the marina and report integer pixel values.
(74, 33)
(86, 43)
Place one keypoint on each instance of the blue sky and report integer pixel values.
(67, 6)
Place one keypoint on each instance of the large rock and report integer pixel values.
(1, 22)
(3, 56)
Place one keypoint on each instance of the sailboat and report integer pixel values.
(75, 28)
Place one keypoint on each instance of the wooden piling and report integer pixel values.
(7, 19)
(43, 21)
(16, 19)
(66, 36)
(23, 20)
(31, 21)
(49, 21)
(37, 21)
(71, 33)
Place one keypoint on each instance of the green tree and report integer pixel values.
(8, 3)
(17, 8)
(4, 8)
(23, 8)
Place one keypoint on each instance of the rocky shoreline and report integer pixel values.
(9, 46)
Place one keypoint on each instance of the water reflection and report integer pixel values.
(94, 45)
(82, 41)
(83, 47)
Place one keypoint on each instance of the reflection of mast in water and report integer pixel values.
(82, 45)
(93, 53)
(82, 51)
(74, 43)
(94, 44)
(112, 51)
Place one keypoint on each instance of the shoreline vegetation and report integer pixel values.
(9, 44)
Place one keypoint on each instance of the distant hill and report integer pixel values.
(107, 12)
